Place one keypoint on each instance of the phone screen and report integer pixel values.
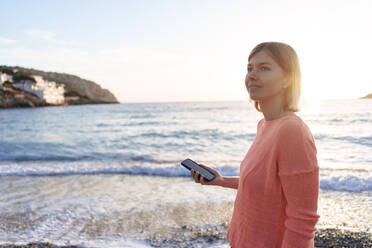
(189, 164)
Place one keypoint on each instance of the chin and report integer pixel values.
(254, 97)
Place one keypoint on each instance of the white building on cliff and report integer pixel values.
(49, 91)
(5, 77)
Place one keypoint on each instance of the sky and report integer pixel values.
(190, 50)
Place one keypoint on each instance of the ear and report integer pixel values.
(286, 83)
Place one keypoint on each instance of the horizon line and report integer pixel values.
(205, 101)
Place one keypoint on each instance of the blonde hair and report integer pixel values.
(287, 59)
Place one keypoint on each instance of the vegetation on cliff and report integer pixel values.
(22, 76)
(5, 70)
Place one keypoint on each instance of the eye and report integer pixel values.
(249, 69)
(265, 68)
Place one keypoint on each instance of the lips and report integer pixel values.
(253, 86)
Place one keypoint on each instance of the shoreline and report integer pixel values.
(190, 237)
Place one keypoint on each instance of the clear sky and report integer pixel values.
(190, 50)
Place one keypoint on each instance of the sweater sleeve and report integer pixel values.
(299, 175)
(301, 193)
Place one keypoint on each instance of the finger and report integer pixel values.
(202, 181)
(194, 175)
(197, 177)
(192, 172)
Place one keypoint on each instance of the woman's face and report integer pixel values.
(265, 79)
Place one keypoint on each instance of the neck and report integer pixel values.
(272, 108)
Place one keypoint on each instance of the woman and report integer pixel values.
(277, 197)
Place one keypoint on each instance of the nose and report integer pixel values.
(252, 75)
(249, 78)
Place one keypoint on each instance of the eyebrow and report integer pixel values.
(259, 64)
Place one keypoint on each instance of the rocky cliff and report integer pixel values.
(15, 98)
(369, 96)
(77, 90)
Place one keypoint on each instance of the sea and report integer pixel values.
(110, 175)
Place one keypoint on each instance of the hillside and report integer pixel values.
(23, 87)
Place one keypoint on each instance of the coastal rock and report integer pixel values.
(369, 96)
(12, 98)
(77, 90)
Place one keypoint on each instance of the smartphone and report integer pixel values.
(189, 164)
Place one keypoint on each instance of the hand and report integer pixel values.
(200, 179)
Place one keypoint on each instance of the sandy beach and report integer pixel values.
(173, 221)
(213, 235)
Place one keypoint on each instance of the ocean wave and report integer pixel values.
(347, 183)
(337, 183)
(91, 157)
(344, 120)
(360, 120)
(348, 120)
(365, 141)
(147, 123)
(337, 120)
(142, 116)
(41, 158)
(214, 134)
(165, 171)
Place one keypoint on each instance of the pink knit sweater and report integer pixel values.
(277, 197)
